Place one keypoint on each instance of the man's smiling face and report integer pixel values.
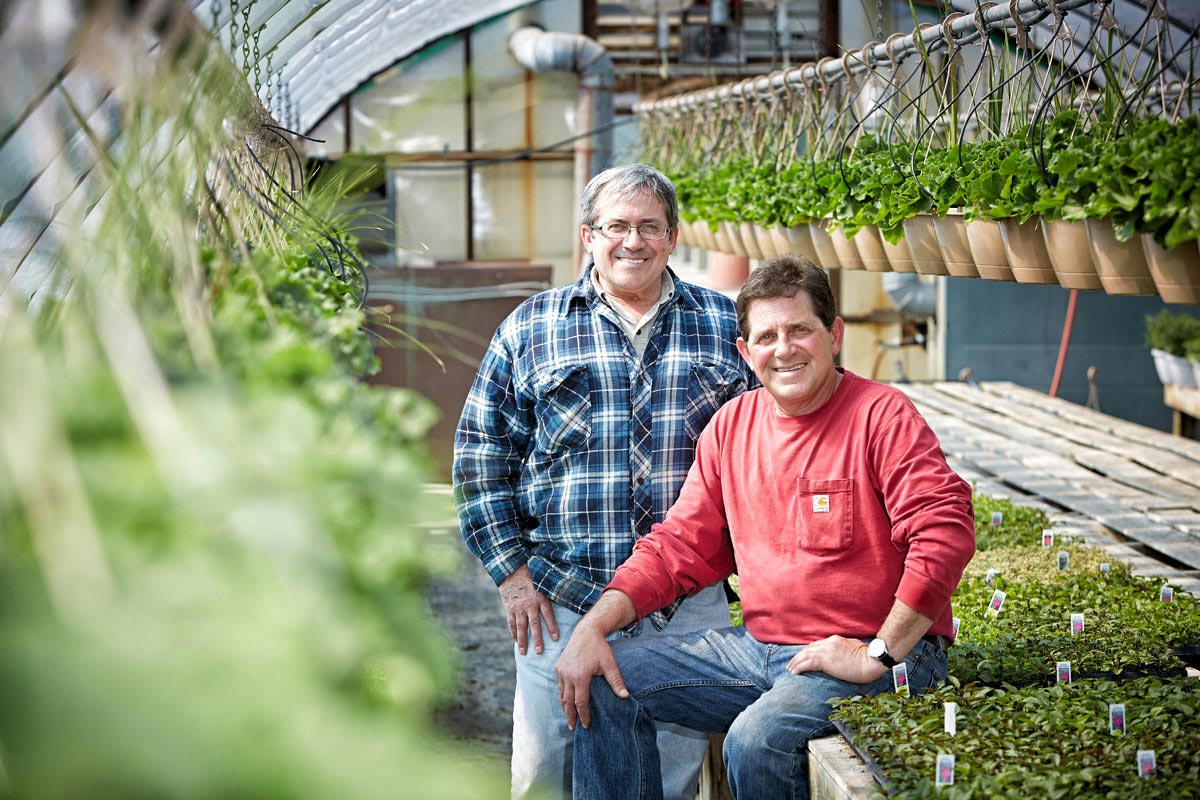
(792, 353)
(631, 268)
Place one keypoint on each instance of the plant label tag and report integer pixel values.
(1062, 669)
(1116, 719)
(1105, 566)
(1047, 537)
(951, 722)
(945, 770)
(991, 576)
(900, 678)
(1146, 763)
(1063, 560)
(996, 602)
(955, 621)
(820, 504)
(1076, 624)
(997, 519)
(1166, 594)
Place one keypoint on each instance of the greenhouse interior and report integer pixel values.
(263, 269)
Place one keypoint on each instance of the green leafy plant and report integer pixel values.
(211, 570)
(1020, 524)
(1043, 742)
(1170, 331)
(1031, 563)
(1127, 627)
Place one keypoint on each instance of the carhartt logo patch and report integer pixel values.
(820, 503)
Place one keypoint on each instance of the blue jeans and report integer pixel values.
(712, 681)
(542, 749)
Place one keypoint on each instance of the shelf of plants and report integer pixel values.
(1068, 672)
(1058, 158)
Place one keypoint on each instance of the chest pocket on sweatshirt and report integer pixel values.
(710, 386)
(563, 410)
(825, 518)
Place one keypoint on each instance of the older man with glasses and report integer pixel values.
(576, 437)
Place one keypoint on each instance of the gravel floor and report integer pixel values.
(469, 607)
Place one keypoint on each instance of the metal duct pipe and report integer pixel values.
(718, 12)
(543, 51)
(910, 294)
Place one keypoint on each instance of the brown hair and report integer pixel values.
(784, 276)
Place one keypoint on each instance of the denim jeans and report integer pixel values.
(719, 680)
(542, 743)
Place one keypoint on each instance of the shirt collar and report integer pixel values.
(585, 289)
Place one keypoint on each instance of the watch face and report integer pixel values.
(876, 648)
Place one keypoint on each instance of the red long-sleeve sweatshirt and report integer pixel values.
(827, 518)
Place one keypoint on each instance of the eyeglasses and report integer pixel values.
(650, 231)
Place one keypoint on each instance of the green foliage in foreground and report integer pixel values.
(1034, 742)
(211, 575)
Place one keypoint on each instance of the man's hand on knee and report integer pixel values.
(587, 654)
(839, 657)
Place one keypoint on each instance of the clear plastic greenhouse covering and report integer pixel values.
(303, 56)
(60, 112)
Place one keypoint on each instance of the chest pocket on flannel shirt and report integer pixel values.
(709, 387)
(825, 515)
(563, 409)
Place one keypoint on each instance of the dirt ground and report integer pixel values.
(468, 606)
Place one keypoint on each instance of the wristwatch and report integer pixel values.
(877, 650)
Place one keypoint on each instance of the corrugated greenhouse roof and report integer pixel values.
(302, 56)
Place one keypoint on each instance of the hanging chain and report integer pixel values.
(879, 20)
(270, 77)
(215, 10)
(258, 59)
(233, 10)
(246, 39)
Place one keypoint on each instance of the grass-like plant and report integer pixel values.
(211, 582)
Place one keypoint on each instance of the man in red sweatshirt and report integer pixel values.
(831, 498)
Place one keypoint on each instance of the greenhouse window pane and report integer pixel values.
(525, 210)
(430, 214)
(503, 97)
(415, 108)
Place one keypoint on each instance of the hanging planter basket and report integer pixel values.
(899, 255)
(987, 248)
(923, 244)
(827, 257)
(762, 237)
(847, 251)
(779, 238)
(1026, 251)
(749, 239)
(1121, 266)
(956, 250)
(1070, 252)
(801, 240)
(870, 249)
(729, 240)
(1176, 271)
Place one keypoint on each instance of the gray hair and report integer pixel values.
(629, 180)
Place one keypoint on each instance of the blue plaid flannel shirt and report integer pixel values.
(570, 446)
